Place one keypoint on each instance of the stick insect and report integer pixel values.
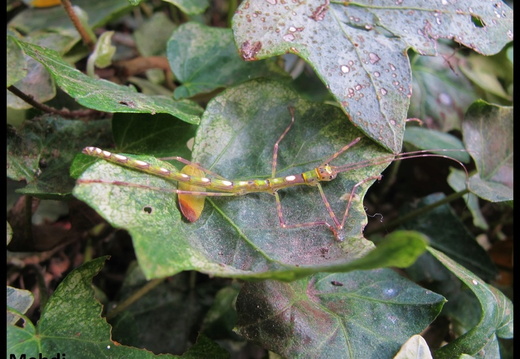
(194, 182)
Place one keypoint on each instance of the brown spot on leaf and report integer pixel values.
(249, 50)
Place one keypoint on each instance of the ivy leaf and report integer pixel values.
(85, 332)
(488, 136)
(362, 314)
(20, 300)
(358, 49)
(103, 53)
(241, 236)
(40, 152)
(496, 319)
(190, 7)
(107, 96)
(454, 240)
(204, 58)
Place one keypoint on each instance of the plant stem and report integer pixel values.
(47, 109)
(87, 40)
(134, 297)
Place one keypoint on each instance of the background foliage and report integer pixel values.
(101, 263)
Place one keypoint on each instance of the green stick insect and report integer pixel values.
(194, 182)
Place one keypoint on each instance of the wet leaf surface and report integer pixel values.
(366, 66)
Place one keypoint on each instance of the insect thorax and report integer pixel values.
(325, 173)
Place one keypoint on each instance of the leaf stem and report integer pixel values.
(87, 39)
(134, 297)
(48, 109)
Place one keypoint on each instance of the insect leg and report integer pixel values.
(277, 143)
(352, 195)
(343, 149)
(283, 224)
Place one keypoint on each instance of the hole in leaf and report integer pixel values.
(148, 209)
(477, 21)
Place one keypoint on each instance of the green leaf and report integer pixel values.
(103, 53)
(137, 324)
(160, 135)
(85, 332)
(190, 7)
(361, 314)
(20, 300)
(427, 139)
(496, 319)
(488, 136)
(153, 34)
(205, 58)
(441, 93)
(359, 49)
(492, 74)
(40, 152)
(458, 181)
(16, 63)
(107, 96)
(454, 239)
(241, 236)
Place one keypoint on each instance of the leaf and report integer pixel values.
(359, 49)
(104, 51)
(496, 319)
(488, 136)
(137, 325)
(160, 135)
(190, 7)
(41, 151)
(107, 96)
(414, 348)
(458, 181)
(16, 63)
(361, 314)
(427, 139)
(241, 236)
(20, 300)
(204, 58)
(454, 239)
(441, 93)
(153, 34)
(493, 74)
(85, 332)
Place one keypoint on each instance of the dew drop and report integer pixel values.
(445, 99)
(288, 37)
(383, 91)
(392, 67)
(392, 122)
(272, 2)
(377, 74)
(292, 29)
(373, 58)
(345, 69)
